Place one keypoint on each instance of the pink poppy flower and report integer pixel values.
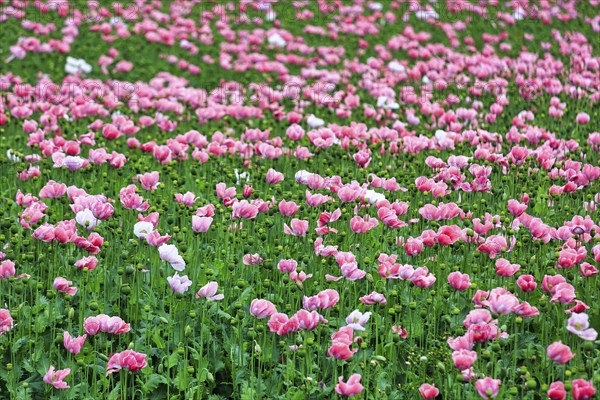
(578, 324)
(179, 284)
(464, 359)
(7, 269)
(582, 389)
(298, 227)
(262, 308)
(459, 281)
(201, 224)
(6, 321)
(273, 177)
(288, 208)
(557, 391)
(350, 388)
(559, 353)
(73, 344)
(209, 292)
(373, 298)
(63, 285)
(488, 388)
(428, 391)
(244, 209)
(188, 199)
(129, 359)
(56, 378)
(106, 324)
(149, 180)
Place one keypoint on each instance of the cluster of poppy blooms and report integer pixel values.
(374, 115)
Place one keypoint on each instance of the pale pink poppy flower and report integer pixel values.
(206, 211)
(488, 388)
(505, 268)
(7, 269)
(325, 299)
(6, 321)
(209, 291)
(87, 262)
(170, 254)
(73, 344)
(501, 302)
(179, 284)
(582, 118)
(459, 281)
(244, 209)
(341, 342)
(578, 324)
(308, 320)
(350, 388)
(53, 189)
(287, 266)
(56, 378)
(149, 180)
(273, 177)
(262, 308)
(223, 191)
(361, 225)
(252, 259)
(373, 298)
(526, 283)
(288, 208)
(155, 239)
(201, 224)
(188, 199)
(357, 320)
(299, 276)
(298, 227)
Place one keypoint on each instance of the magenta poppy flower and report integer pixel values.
(128, 359)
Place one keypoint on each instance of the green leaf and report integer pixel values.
(114, 394)
(182, 379)
(248, 393)
(41, 323)
(224, 315)
(153, 381)
(383, 381)
(173, 360)
(158, 340)
(19, 343)
(23, 394)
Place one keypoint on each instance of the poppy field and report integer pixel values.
(308, 199)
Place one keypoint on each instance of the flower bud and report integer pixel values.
(531, 384)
